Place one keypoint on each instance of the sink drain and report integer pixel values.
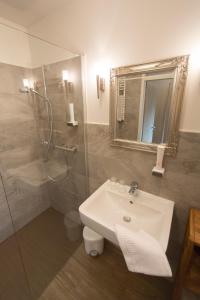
(126, 218)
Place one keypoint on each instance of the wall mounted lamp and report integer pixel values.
(101, 69)
(68, 84)
(100, 85)
(27, 84)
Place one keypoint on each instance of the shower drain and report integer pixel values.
(126, 218)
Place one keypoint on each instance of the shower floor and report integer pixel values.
(44, 250)
(58, 269)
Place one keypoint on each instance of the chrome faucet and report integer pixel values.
(133, 187)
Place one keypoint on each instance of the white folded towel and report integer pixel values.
(142, 253)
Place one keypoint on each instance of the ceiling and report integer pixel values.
(27, 12)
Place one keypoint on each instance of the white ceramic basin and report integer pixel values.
(112, 204)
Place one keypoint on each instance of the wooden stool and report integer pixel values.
(188, 274)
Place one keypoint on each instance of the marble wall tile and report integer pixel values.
(15, 107)
(25, 209)
(63, 134)
(20, 145)
(17, 135)
(75, 183)
(70, 190)
(11, 78)
(62, 200)
(17, 156)
(23, 128)
(2, 193)
(68, 193)
(25, 201)
(58, 94)
(6, 226)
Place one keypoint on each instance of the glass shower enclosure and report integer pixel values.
(43, 167)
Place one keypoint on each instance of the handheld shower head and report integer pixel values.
(28, 88)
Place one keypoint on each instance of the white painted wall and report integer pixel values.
(18, 48)
(44, 53)
(124, 32)
(14, 44)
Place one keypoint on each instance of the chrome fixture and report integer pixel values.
(100, 85)
(66, 82)
(133, 187)
(28, 87)
(67, 148)
(100, 69)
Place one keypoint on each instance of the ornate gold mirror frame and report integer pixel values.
(177, 64)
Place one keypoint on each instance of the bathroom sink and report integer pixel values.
(111, 204)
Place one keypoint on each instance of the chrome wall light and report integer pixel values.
(100, 70)
(27, 84)
(68, 84)
(100, 85)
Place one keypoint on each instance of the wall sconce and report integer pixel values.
(69, 86)
(27, 85)
(100, 85)
(66, 82)
(101, 70)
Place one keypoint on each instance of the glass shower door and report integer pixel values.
(14, 283)
(45, 179)
(68, 180)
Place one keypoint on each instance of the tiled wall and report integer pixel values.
(31, 182)
(69, 188)
(19, 147)
(181, 182)
(6, 228)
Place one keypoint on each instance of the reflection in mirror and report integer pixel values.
(143, 107)
(145, 103)
(156, 111)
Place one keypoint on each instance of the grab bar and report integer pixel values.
(67, 148)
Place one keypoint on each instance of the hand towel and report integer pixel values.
(142, 253)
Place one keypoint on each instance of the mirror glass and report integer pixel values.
(143, 107)
(145, 103)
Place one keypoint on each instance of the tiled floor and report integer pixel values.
(60, 270)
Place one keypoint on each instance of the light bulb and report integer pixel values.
(26, 83)
(65, 75)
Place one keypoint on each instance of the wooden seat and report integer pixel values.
(188, 274)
